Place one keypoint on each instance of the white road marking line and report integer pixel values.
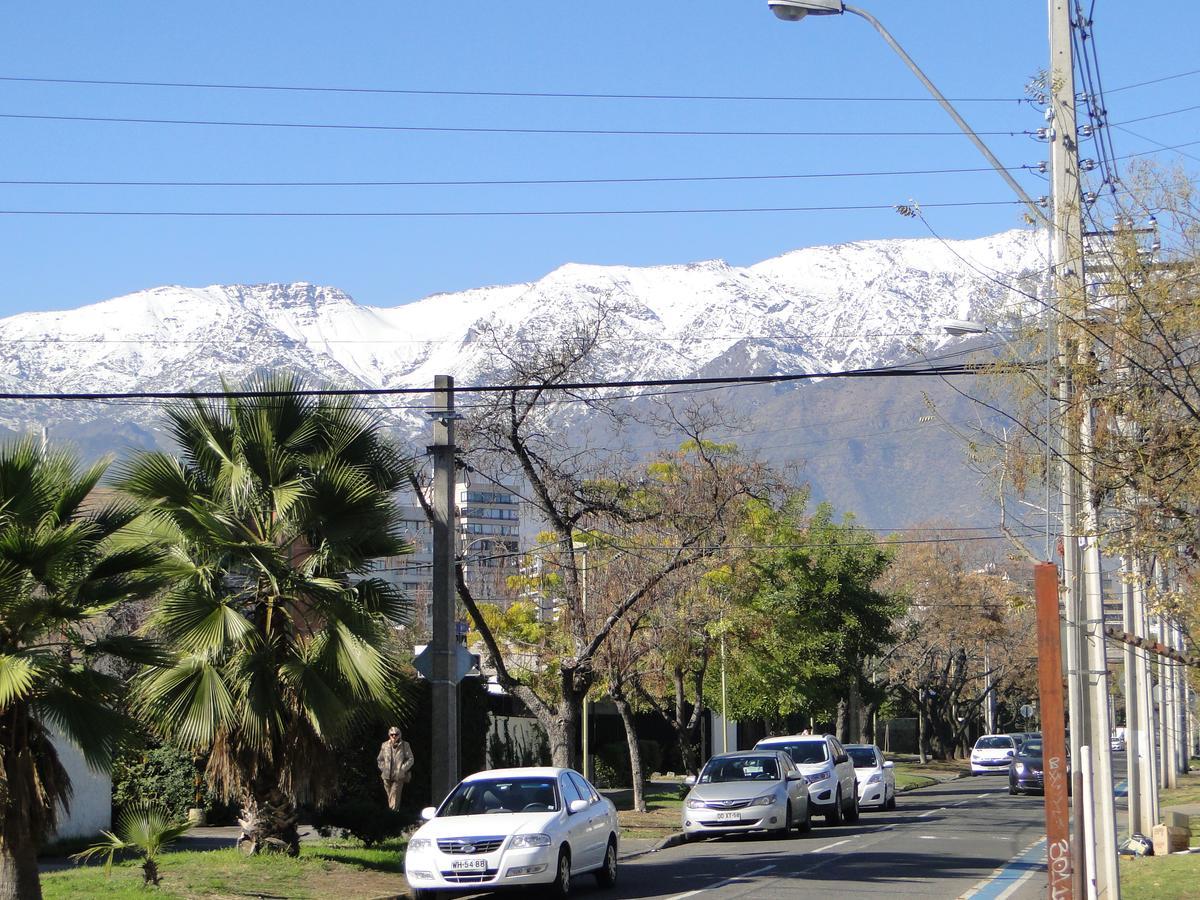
(830, 846)
(982, 796)
(931, 812)
(959, 803)
(721, 884)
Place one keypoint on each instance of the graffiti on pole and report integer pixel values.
(1055, 774)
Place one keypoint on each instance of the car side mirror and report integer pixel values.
(888, 764)
(793, 775)
(690, 780)
(578, 805)
(841, 759)
(428, 813)
(1012, 752)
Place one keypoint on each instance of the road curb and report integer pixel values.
(671, 840)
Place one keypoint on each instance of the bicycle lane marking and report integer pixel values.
(1004, 881)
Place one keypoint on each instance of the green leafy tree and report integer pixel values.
(279, 635)
(805, 614)
(62, 569)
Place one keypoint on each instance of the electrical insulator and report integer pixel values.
(1086, 131)
(1087, 165)
(1044, 134)
(1089, 197)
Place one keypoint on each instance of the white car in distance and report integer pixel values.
(876, 776)
(832, 791)
(510, 827)
(992, 753)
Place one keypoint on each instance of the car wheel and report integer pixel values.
(834, 816)
(806, 822)
(560, 887)
(1012, 787)
(852, 813)
(606, 875)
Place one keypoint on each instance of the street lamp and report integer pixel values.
(795, 10)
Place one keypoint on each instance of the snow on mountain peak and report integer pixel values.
(842, 306)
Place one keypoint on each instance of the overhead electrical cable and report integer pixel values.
(534, 182)
(478, 129)
(418, 214)
(730, 380)
(436, 92)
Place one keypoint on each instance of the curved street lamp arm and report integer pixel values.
(1034, 209)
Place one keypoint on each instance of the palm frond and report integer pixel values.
(189, 701)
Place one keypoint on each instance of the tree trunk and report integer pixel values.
(268, 823)
(922, 736)
(867, 731)
(635, 752)
(18, 861)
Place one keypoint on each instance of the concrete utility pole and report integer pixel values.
(1134, 714)
(1087, 672)
(1144, 739)
(443, 642)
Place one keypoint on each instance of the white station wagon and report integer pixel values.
(509, 827)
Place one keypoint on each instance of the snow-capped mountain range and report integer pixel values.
(816, 309)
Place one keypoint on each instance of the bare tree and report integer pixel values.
(670, 513)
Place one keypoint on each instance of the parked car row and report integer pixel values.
(785, 781)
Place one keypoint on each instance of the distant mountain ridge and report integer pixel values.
(817, 309)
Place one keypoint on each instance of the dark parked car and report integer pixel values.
(1025, 770)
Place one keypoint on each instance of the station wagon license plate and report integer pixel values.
(729, 817)
(469, 865)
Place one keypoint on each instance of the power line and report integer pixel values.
(428, 92)
(518, 182)
(880, 372)
(536, 182)
(417, 214)
(470, 129)
(566, 95)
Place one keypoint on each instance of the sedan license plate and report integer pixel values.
(469, 865)
(729, 817)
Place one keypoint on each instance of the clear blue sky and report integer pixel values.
(705, 47)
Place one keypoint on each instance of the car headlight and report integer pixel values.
(692, 803)
(530, 840)
(1020, 767)
(420, 844)
(815, 777)
(875, 779)
(766, 800)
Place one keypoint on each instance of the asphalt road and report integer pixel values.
(960, 839)
(943, 841)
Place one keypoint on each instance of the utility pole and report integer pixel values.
(1087, 672)
(1133, 712)
(443, 641)
(1142, 747)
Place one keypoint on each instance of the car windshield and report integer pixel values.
(1032, 748)
(502, 795)
(804, 753)
(740, 768)
(997, 742)
(864, 757)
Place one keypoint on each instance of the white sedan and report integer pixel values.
(876, 777)
(509, 827)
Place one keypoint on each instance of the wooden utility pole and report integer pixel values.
(1055, 769)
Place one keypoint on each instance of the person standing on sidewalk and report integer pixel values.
(395, 762)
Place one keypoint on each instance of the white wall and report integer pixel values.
(91, 795)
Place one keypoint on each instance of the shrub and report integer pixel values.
(610, 768)
(370, 822)
(161, 776)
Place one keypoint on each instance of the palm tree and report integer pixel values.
(280, 637)
(63, 568)
(143, 830)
